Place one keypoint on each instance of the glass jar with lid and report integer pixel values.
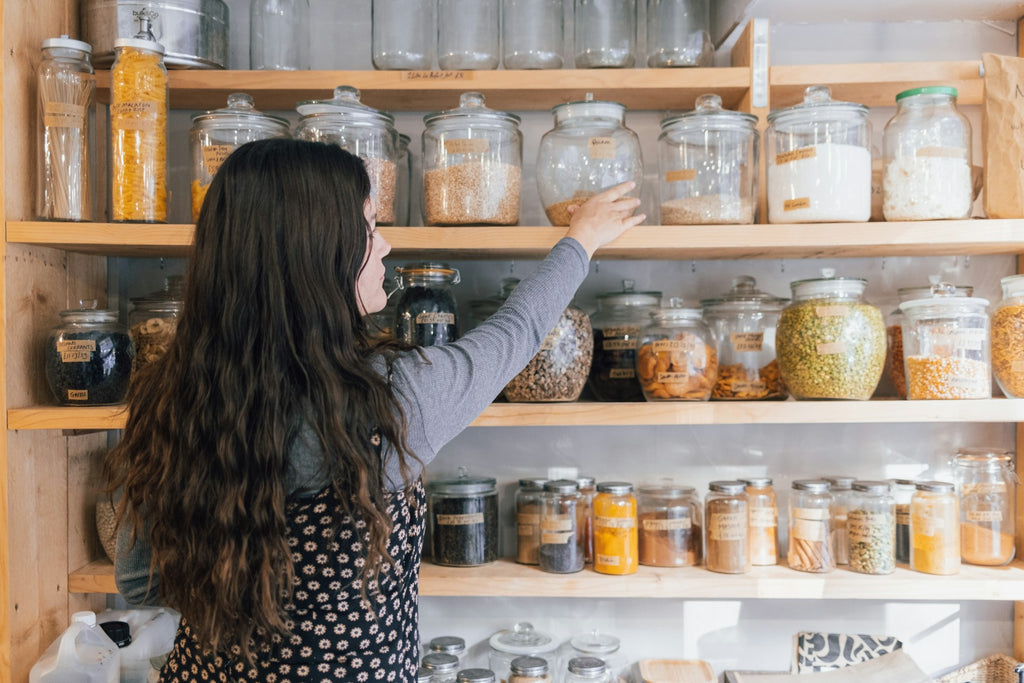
(449, 645)
(871, 528)
(669, 517)
(561, 543)
(559, 370)
(527, 669)
(764, 521)
(616, 543)
(830, 341)
(841, 489)
(589, 150)
(708, 163)
(726, 528)
(88, 357)
(443, 667)
(520, 640)
(463, 520)
(596, 643)
(987, 484)
(927, 157)
(676, 360)
(476, 676)
(424, 675)
(217, 133)
(153, 320)
(818, 156)
(902, 491)
(468, 34)
(531, 34)
(810, 527)
(946, 346)
(472, 165)
(617, 323)
(743, 321)
(404, 34)
(935, 528)
(528, 509)
(364, 131)
(605, 33)
(1008, 337)
(679, 33)
(426, 314)
(587, 670)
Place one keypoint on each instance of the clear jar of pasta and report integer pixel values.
(1008, 337)
(616, 542)
(935, 528)
(988, 486)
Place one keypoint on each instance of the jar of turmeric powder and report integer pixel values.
(935, 528)
(616, 543)
(676, 359)
(1008, 337)
(987, 484)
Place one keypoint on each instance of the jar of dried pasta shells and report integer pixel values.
(676, 360)
(153, 320)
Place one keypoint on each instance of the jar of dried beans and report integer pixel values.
(764, 521)
(935, 528)
(1008, 337)
(617, 323)
(153, 320)
(727, 531)
(677, 358)
(616, 545)
(810, 526)
(871, 528)
(670, 526)
(559, 370)
(987, 483)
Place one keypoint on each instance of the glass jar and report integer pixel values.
(743, 321)
(472, 165)
(404, 34)
(841, 489)
(605, 33)
(476, 676)
(616, 544)
(559, 370)
(88, 357)
(987, 483)
(819, 161)
(810, 527)
(279, 34)
(935, 528)
(561, 543)
(726, 528)
(902, 491)
(369, 134)
(531, 34)
(595, 644)
(217, 133)
(670, 527)
(66, 86)
(830, 341)
(153, 320)
(763, 531)
(589, 150)
(443, 667)
(1008, 337)
(679, 33)
(463, 521)
(708, 163)
(528, 509)
(676, 360)
(403, 184)
(588, 489)
(424, 675)
(529, 670)
(587, 670)
(521, 640)
(426, 314)
(482, 309)
(467, 34)
(617, 323)
(946, 346)
(871, 527)
(927, 149)
(449, 645)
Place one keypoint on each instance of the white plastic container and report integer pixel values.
(83, 654)
(153, 632)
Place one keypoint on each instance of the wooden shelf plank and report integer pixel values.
(111, 239)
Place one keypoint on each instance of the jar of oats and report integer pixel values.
(153, 320)
(676, 359)
(1008, 337)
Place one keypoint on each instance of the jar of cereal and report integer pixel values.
(677, 359)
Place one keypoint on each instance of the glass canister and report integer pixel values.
(467, 34)
(521, 640)
(605, 33)
(819, 161)
(670, 526)
(424, 675)
(559, 370)
(597, 644)
(528, 509)
(561, 543)
(531, 34)
(364, 131)
(279, 34)
(472, 165)
(589, 150)
(946, 346)
(463, 520)
(830, 341)
(726, 528)
(902, 492)
(987, 483)
(677, 359)
(426, 314)
(153, 320)
(616, 543)
(66, 86)
(743, 321)
(1007, 337)
(810, 526)
(527, 669)
(871, 528)
(88, 357)
(404, 34)
(444, 667)
(935, 528)
(708, 162)
(449, 645)
(927, 157)
(587, 670)
(764, 521)
(403, 184)
(841, 489)
(217, 133)
(617, 324)
(679, 33)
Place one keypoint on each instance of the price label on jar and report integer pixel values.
(435, 318)
(796, 155)
(796, 204)
(556, 523)
(763, 517)
(984, 516)
(63, 115)
(903, 515)
(673, 377)
(135, 115)
(865, 527)
(618, 344)
(680, 524)
(527, 519)
(728, 526)
(555, 537)
(214, 156)
(467, 146)
(76, 350)
(685, 345)
(680, 175)
(621, 373)
(810, 530)
(78, 394)
(619, 331)
(601, 148)
(614, 522)
(746, 341)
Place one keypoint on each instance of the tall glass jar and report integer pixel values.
(443, 667)
(841, 489)
(520, 640)
(426, 314)
(927, 157)
(670, 526)
(617, 324)
(472, 165)
(616, 543)
(987, 483)
(463, 520)
(561, 543)
(404, 34)
(677, 359)
(708, 163)
(871, 527)
(810, 526)
(588, 489)
(935, 528)
(528, 509)
(764, 521)
(605, 33)
(726, 528)
(679, 33)
(364, 131)
(1008, 337)
(830, 341)
(153, 320)
(902, 492)
(531, 34)
(88, 357)
(560, 369)
(217, 133)
(279, 34)
(743, 321)
(66, 86)
(589, 150)
(403, 185)
(818, 156)
(467, 34)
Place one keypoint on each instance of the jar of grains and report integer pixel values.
(818, 158)
(871, 527)
(708, 164)
(1008, 337)
(448, 645)
(743, 321)
(677, 359)
(617, 324)
(726, 528)
(520, 640)
(987, 483)
(528, 503)
(153, 320)
(616, 545)
(841, 489)
(361, 130)
(443, 667)
(927, 157)
(88, 357)
(946, 346)
(561, 543)
(463, 520)
(830, 341)
(810, 527)
(670, 527)
(935, 528)
(426, 311)
(526, 669)
(472, 165)
(902, 491)
(589, 150)
(559, 370)
(764, 521)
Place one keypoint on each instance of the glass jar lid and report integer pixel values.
(840, 483)
(531, 667)
(561, 486)
(88, 312)
(708, 115)
(615, 488)
(729, 487)
(596, 643)
(980, 457)
(346, 102)
(868, 486)
(829, 284)
(812, 485)
(440, 662)
(903, 484)
(928, 90)
(628, 297)
(240, 113)
(475, 676)
(171, 295)
(935, 486)
(66, 43)
(944, 297)
(533, 482)
(677, 310)
(463, 484)
(589, 108)
(757, 482)
(522, 639)
(818, 107)
(452, 645)
(910, 293)
(471, 105)
(744, 295)
(587, 667)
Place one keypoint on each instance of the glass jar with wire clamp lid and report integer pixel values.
(987, 485)
(426, 313)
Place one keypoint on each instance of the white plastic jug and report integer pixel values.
(152, 631)
(83, 654)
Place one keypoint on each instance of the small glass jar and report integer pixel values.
(66, 86)
(830, 341)
(527, 669)
(528, 509)
(927, 150)
(871, 528)
(561, 543)
(616, 543)
(679, 33)
(670, 526)
(560, 369)
(818, 157)
(617, 324)
(153, 320)
(603, 646)
(588, 489)
(810, 527)
(279, 35)
(88, 357)
(676, 360)
(426, 314)
(946, 346)
(744, 321)
(708, 162)
(589, 150)
(476, 676)
(726, 528)
(987, 484)
(531, 34)
(521, 640)
(935, 528)
(468, 34)
(463, 521)
(1008, 337)
(443, 667)
(403, 185)
(449, 645)
(424, 675)
(605, 33)
(841, 489)
(404, 34)
(902, 491)
(587, 670)
(763, 531)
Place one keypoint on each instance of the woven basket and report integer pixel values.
(993, 669)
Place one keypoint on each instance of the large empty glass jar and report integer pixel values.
(605, 32)
(678, 33)
(467, 34)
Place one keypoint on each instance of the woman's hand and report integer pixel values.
(603, 217)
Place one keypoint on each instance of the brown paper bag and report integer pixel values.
(1003, 136)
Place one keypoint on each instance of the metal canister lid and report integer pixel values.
(476, 676)
(463, 485)
(452, 645)
(812, 485)
(730, 487)
(424, 675)
(529, 666)
(441, 662)
(616, 488)
(840, 483)
(757, 482)
(561, 486)
(935, 486)
(587, 667)
(532, 482)
(667, 491)
(866, 486)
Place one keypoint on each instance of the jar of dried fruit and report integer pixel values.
(559, 370)
(1008, 337)
(617, 324)
(677, 360)
(153, 320)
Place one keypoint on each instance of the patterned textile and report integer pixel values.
(830, 651)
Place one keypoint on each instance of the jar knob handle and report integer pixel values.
(815, 94)
(347, 93)
(710, 102)
(628, 285)
(943, 289)
(241, 100)
(471, 99)
(744, 283)
(828, 273)
(463, 471)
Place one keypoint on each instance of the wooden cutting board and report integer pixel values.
(676, 671)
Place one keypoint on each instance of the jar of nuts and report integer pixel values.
(559, 370)
(153, 320)
(676, 360)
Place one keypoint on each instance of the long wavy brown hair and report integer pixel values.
(270, 337)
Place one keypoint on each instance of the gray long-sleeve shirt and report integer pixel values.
(441, 392)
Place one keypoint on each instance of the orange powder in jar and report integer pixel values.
(616, 542)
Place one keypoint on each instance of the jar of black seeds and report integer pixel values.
(463, 520)
(89, 357)
(426, 314)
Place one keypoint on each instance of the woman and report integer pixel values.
(271, 461)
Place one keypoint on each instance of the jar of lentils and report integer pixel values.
(617, 323)
(871, 528)
(677, 360)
